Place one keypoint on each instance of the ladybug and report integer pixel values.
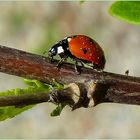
(81, 49)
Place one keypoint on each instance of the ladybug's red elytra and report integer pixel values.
(82, 49)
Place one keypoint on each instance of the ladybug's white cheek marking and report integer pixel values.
(60, 50)
(69, 39)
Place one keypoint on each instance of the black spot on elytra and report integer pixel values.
(84, 50)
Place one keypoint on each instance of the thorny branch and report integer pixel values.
(88, 88)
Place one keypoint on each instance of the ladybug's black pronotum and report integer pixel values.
(81, 49)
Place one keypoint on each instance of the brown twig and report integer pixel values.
(108, 87)
(54, 96)
(22, 100)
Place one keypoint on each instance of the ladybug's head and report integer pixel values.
(52, 51)
(58, 48)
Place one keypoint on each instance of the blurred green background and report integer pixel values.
(34, 27)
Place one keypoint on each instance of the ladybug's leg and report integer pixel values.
(96, 67)
(61, 61)
(81, 63)
(77, 68)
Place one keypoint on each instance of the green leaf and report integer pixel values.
(57, 111)
(128, 11)
(11, 111)
(34, 86)
(82, 1)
